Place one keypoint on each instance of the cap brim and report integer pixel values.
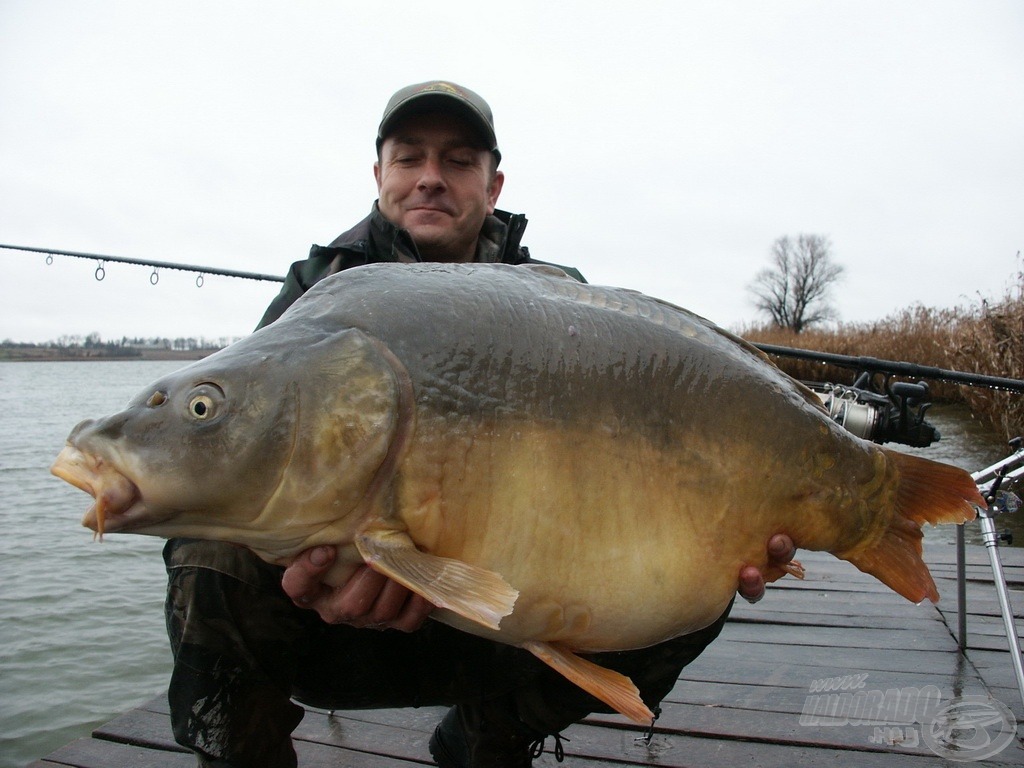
(422, 103)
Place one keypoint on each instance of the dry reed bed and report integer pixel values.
(986, 338)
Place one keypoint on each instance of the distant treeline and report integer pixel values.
(986, 338)
(94, 347)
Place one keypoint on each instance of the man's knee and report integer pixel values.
(226, 600)
(230, 560)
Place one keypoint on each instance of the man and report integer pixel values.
(243, 641)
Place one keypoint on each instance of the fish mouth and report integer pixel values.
(115, 494)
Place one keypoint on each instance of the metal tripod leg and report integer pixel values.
(989, 481)
(961, 589)
(991, 538)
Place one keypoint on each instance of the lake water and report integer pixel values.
(81, 623)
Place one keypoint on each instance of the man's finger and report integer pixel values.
(415, 611)
(781, 549)
(751, 586)
(302, 580)
(357, 598)
(367, 599)
(389, 604)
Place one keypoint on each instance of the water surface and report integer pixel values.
(82, 633)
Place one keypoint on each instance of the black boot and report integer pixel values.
(448, 744)
(483, 735)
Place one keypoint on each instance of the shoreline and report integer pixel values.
(47, 355)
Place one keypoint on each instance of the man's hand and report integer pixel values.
(367, 599)
(781, 552)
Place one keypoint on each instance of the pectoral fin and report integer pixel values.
(474, 593)
(614, 689)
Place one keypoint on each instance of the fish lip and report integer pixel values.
(118, 499)
(75, 467)
(129, 519)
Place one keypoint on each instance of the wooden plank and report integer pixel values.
(921, 638)
(939, 561)
(622, 746)
(950, 672)
(99, 753)
(808, 622)
(975, 554)
(983, 642)
(858, 606)
(95, 753)
(989, 625)
(790, 703)
(880, 659)
(788, 700)
(142, 728)
(398, 733)
(610, 742)
(994, 668)
(397, 740)
(801, 677)
(783, 728)
(818, 582)
(1013, 575)
(982, 604)
(152, 730)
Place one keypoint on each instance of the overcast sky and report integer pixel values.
(659, 146)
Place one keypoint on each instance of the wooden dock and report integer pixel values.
(740, 704)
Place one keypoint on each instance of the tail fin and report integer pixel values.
(928, 492)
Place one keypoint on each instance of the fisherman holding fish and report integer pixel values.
(245, 641)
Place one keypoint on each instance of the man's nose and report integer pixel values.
(431, 175)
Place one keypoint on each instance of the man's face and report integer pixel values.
(435, 181)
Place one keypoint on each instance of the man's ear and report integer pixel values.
(495, 190)
(376, 174)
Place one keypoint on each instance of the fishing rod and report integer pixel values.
(862, 364)
(154, 277)
(895, 367)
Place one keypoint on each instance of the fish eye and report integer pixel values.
(205, 401)
(157, 399)
(201, 407)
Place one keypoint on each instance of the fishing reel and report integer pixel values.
(895, 415)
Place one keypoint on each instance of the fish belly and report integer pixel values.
(611, 543)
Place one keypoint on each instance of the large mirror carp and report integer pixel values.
(558, 466)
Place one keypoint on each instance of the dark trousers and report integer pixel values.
(242, 650)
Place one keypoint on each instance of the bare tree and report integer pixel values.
(794, 291)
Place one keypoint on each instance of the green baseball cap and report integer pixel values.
(443, 96)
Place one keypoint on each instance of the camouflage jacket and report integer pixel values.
(375, 239)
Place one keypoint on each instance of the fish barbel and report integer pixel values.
(558, 466)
